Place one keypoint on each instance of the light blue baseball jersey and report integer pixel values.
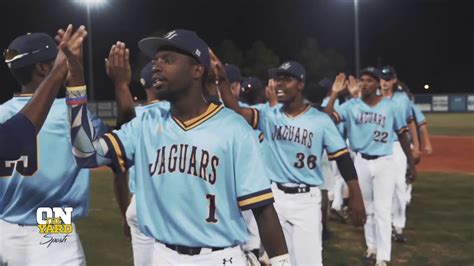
(49, 178)
(418, 115)
(193, 178)
(371, 130)
(295, 144)
(403, 105)
(139, 110)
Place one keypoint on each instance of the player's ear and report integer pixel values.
(301, 85)
(198, 71)
(43, 69)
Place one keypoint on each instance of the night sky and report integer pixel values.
(429, 42)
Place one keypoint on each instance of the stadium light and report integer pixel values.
(427, 87)
(90, 57)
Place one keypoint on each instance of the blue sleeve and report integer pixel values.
(100, 127)
(419, 116)
(252, 183)
(333, 141)
(399, 124)
(17, 138)
(260, 113)
(405, 107)
(122, 144)
(340, 112)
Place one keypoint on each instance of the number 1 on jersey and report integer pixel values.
(211, 218)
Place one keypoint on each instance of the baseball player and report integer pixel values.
(197, 164)
(296, 135)
(422, 124)
(18, 134)
(34, 182)
(370, 122)
(119, 71)
(388, 82)
(253, 92)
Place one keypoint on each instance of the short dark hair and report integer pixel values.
(24, 75)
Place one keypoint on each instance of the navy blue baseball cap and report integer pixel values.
(146, 76)
(291, 68)
(233, 73)
(30, 49)
(325, 83)
(388, 73)
(251, 83)
(185, 40)
(371, 71)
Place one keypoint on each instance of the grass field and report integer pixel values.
(440, 227)
(451, 124)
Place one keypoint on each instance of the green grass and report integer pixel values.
(101, 232)
(439, 229)
(461, 124)
(440, 226)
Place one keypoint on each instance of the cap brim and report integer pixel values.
(372, 74)
(149, 46)
(273, 72)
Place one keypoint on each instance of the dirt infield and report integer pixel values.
(451, 154)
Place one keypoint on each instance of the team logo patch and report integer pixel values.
(285, 66)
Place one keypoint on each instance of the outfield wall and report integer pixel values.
(445, 103)
(437, 103)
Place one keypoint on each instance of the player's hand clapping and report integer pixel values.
(353, 86)
(117, 65)
(70, 46)
(270, 93)
(339, 84)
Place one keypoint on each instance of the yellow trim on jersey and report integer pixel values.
(118, 152)
(256, 199)
(194, 122)
(255, 118)
(151, 102)
(23, 94)
(337, 154)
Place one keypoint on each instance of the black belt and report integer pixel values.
(369, 157)
(293, 190)
(189, 250)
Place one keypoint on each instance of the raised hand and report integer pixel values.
(217, 69)
(117, 65)
(353, 86)
(339, 82)
(70, 46)
(270, 93)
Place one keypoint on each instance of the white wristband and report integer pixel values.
(282, 260)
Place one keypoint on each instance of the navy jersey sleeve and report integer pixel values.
(17, 138)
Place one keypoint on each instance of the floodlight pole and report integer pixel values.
(356, 35)
(90, 53)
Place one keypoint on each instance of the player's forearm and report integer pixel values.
(37, 109)
(88, 149)
(405, 143)
(414, 135)
(125, 104)
(231, 102)
(425, 137)
(270, 230)
(329, 109)
(121, 192)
